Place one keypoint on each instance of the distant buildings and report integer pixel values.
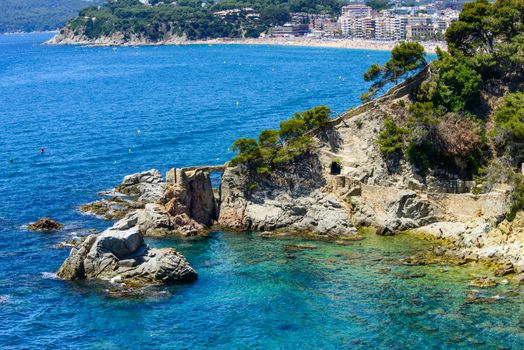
(400, 23)
(356, 10)
(308, 24)
(289, 29)
(420, 23)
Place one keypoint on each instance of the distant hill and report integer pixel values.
(136, 22)
(39, 15)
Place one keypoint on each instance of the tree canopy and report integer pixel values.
(406, 57)
(378, 5)
(39, 15)
(451, 123)
(192, 19)
(275, 147)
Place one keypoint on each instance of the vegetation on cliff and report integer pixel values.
(38, 15)
(191, 19)
(276, 147)
(468, 113)
(406, 57)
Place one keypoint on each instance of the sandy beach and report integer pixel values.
(318, 42)
(119, 39)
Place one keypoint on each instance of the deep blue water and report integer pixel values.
(101, 113)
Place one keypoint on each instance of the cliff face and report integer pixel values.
(293, 197)
(67, 36)
(345, 182)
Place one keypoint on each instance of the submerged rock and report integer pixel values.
(483, 282)
(298, 247)
(114, 208)
(45, 224)
(519, 278)
(122, 254)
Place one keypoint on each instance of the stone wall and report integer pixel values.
(467, 206)
(456, 207)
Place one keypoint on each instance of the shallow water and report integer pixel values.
(85, 106)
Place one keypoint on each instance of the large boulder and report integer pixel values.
(120, 253)
(394, 211)
(147, 186)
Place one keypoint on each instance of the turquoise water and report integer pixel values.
(86, 106)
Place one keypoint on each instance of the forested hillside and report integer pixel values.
(190, 18)
(38, 15)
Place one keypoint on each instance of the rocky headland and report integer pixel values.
(341, 184)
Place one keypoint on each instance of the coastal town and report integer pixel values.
(359, 21)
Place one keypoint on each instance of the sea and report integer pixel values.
(75, 120)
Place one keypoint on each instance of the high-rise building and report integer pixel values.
(356, 10)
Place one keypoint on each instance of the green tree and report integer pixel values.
(473, 32)
(293, 128)
(274, 15)
(458, 83)
(316, 117)
(248, 151)
(406, 57)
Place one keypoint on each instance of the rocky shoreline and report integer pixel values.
(306, 196)
(67, 37)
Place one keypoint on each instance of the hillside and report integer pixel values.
(39, 15)
(131, 21)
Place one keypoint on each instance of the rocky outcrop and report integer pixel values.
(291, 198)
(184, 205)
(189, 201)
(120, 254)
(45, 224)
(483, 239)
(67, 36)
(146, 186)
(392, 211)
(111, 208)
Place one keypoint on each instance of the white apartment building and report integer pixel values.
(356, 10)
(387, 28)
(356, 27)
(359, 21)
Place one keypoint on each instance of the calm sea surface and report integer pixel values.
(101, 113)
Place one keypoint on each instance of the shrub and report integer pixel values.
(458, 84)
(419, 156)
(517, 198)
(457, 136)
(293, 128)
(508, 133)
(316, 117)
(391, 138)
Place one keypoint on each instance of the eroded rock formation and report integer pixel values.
(120, 254)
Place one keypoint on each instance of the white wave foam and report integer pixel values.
(115, 279)
(49, 275)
